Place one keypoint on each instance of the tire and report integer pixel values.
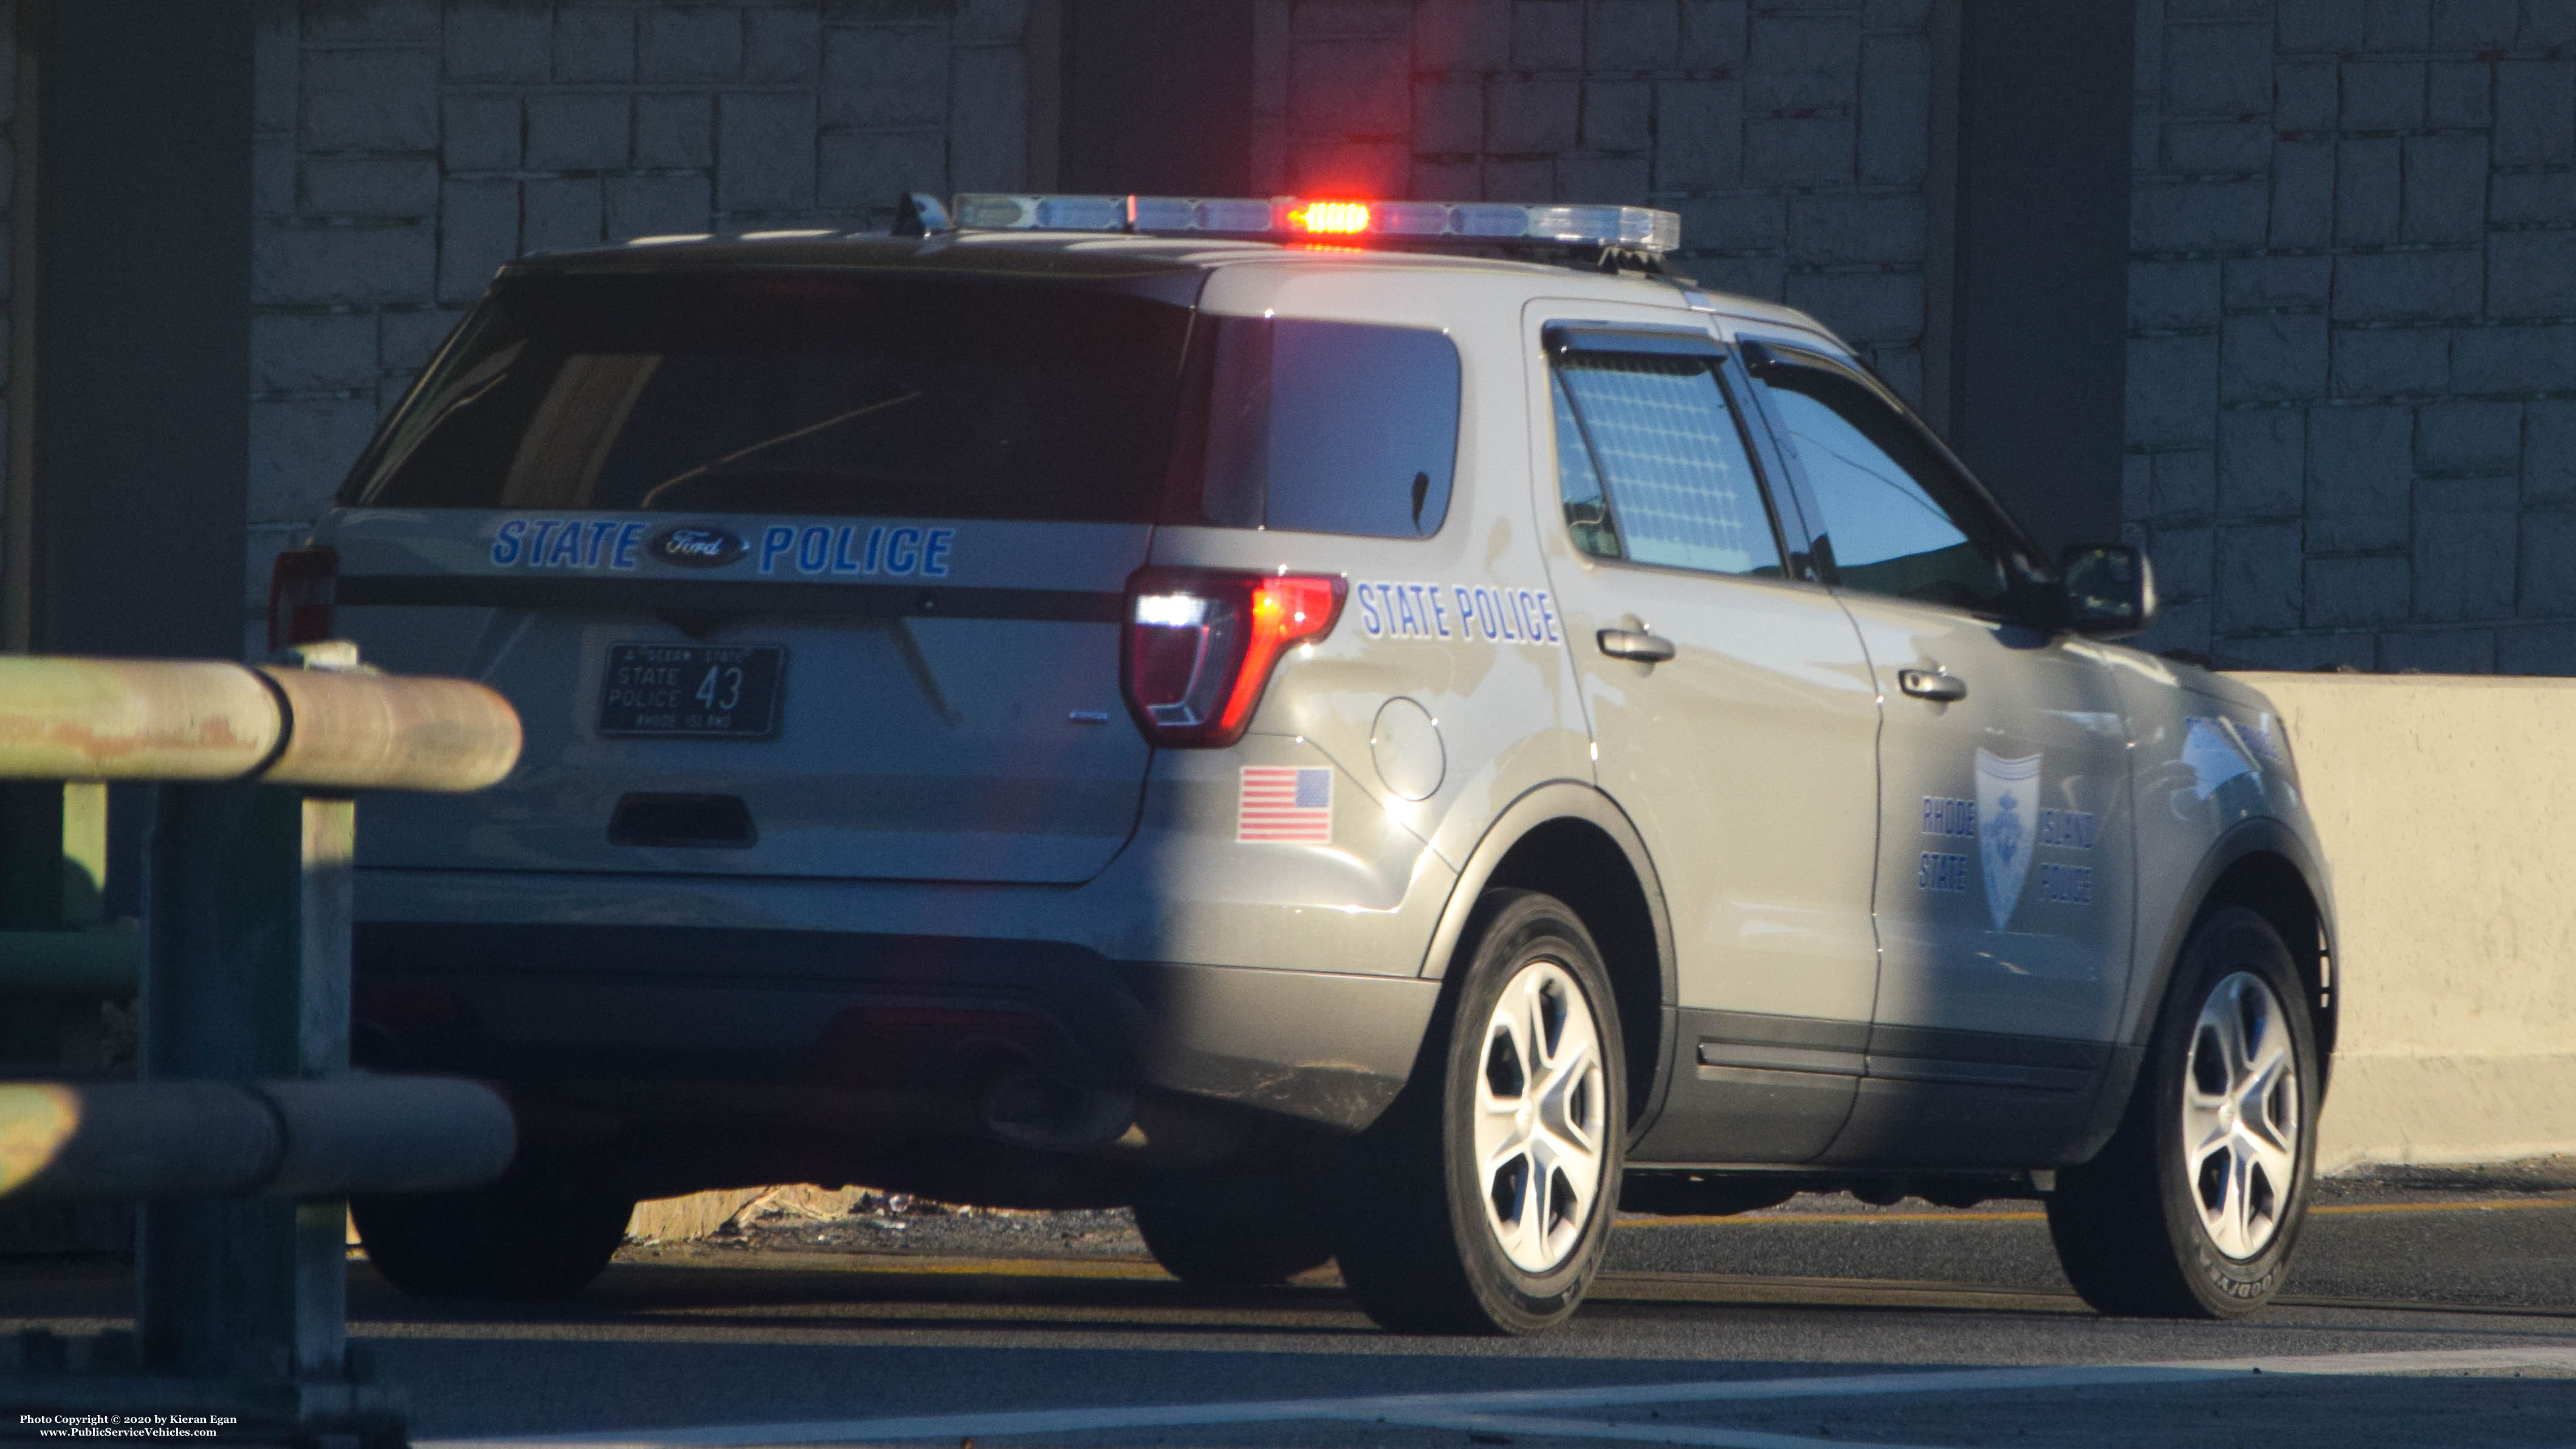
(1459, 1211)
(1219, 1249)
(523, 1237)
(2187, 1213)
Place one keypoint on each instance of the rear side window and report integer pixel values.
(1319, 427)
(795, 392)
(1656, 469)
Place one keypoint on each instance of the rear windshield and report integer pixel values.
(795, 393)
(813, 393)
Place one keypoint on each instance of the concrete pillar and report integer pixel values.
(2025, 348)
(130, 340)
(134, 365)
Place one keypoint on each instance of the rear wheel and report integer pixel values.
(1481, 1201)
(526, 1236)
(1219, 1248)
(2193, 1208)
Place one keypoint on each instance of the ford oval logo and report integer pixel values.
(694, 547)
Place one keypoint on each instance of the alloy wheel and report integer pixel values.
(2240, 1115)
(1540, 1119)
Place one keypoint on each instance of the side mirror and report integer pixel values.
(2110, 590)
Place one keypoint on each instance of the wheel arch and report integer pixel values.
(1567, 839)
(2267, 867)
(2273, 885)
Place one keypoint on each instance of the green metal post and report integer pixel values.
(53, 863)
(245, 976)
(31, 872)
(326, 901)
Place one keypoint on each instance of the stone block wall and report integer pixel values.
(2352, 357)
(1790, 135)
(2351, 416)
(406, 148)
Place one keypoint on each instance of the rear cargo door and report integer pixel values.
(961, 726)
(817, 576)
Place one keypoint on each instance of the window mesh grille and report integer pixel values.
(1681, 487)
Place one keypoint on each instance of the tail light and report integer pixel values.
(1200, 645)
(300, 589)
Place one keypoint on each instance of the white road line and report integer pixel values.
(1411, 1408)
(1701, 1436)
(1392, 1407)
(2428, 1361)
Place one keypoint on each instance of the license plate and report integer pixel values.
(710, 691)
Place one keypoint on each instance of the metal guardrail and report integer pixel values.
(245, 1129)
(98, 962)
(326, 728)
(284, 1137)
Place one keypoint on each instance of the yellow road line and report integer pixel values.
(1750, 1289)
(927, 1263)
(1737, 1220)
(2500, 1205)
(1121, 1268)
(2033, 1215)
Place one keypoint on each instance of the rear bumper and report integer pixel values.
(889, 1030)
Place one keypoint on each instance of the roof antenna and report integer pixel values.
(920, 214)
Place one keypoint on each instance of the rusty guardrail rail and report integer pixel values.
(245, 1129)
(331, 727)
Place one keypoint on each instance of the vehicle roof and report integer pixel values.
(1106, 257)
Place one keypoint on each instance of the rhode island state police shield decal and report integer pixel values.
(2007, 795)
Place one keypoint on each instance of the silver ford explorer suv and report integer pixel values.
(1381, 732)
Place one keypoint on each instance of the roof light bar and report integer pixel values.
(1634, 228)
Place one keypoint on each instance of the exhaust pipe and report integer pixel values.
(1056, 1114)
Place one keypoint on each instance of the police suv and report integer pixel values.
(1385, 732)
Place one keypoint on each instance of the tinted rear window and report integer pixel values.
(785, 392)
(1321, 427)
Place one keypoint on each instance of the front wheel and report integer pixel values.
(2192, 1209)
(1481, 1201)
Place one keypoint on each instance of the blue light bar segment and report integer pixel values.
(1246, 216)
(1409, 218)
(1494, 221)
(1162, 213)
(1081, 213)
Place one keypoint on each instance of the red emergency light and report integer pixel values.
(1331, 218)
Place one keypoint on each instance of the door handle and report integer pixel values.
(1634, 644)
(1932, 685)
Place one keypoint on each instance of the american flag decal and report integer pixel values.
(1285, 805)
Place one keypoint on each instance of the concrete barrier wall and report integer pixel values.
(2448, 808)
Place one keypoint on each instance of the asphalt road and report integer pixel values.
(2416, 1317)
